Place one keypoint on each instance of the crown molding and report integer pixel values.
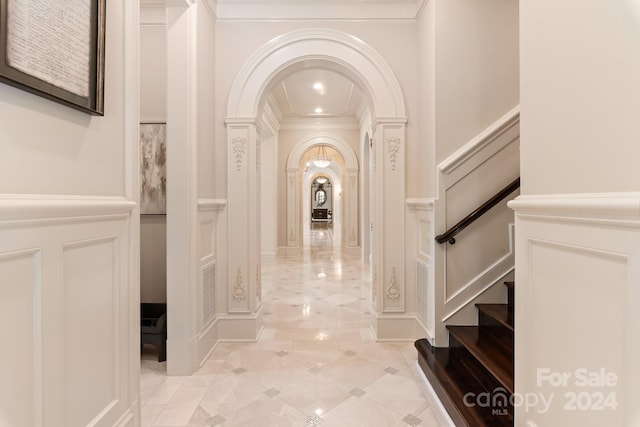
(318, 9)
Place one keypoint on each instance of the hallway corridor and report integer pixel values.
(315, 364)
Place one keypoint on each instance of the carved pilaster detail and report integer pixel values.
(393, 290)
(239, 291)
(239, 149)
(393, 149)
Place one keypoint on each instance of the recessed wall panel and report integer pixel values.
(20, 294)
(90, 278)
(479, 247)
(581, 294)
(206, 239)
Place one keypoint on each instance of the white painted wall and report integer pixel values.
(577, 221)
(469, 63)
(427, 98)
(69, 249)
(269, 195)
(206, 125)
(153, 65)
(585, 111)
(153, 258)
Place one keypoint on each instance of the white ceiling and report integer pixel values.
(336, 96)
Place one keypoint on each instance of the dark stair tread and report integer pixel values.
(509, 284)
(498, 312)
(493, 349)
(451, 382)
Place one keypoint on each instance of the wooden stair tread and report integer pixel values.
(510, 284)
(493, 349)
(498, 312)
(451, 382)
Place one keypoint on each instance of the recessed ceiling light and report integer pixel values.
(318, 110)
(318, 86)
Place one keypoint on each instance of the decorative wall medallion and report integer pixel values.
(239, 149)
(239, 292)
(393, 291)
(393, 148)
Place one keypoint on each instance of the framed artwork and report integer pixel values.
(153, 158)
(55, 49)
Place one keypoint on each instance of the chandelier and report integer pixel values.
(322, 161)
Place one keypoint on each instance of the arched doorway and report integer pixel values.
(349, 214)
(343, 53)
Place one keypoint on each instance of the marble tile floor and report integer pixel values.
(315, 364)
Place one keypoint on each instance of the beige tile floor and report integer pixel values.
(315, 364)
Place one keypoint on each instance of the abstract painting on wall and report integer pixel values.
(153, 149)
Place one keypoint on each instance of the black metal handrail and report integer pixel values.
(448, 236)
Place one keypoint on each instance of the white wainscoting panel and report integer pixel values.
(208, 299)
(90, 306)
(419, 258)
(577, 298)
(21, 331)
(65, 307)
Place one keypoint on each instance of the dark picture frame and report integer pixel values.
(29, 59)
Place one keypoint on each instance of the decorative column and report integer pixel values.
(389, 202)
(293, 207)
(244, 225)
(351, 212)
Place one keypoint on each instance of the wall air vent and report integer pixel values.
(208, 293)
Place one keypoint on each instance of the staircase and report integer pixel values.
(473, 377)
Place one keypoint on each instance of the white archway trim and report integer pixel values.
(349, 200)
(332, 48)
(351, 57)
(312, 141)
